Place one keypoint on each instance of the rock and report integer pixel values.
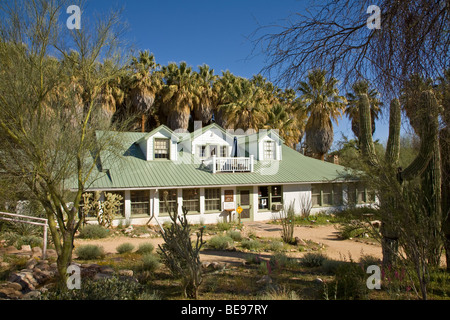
(128, 230)
(106, 270)
(26, 247)
(9, 293)
(51, 253)
(300, 242)
(126, 273)
(265, 280)
(318, 280)
(32, 295)
(376, 224)
(4, 265)
(145, 235)
(205, 265)
(25, 279)
(11, 249)
(37, 252)
(100, 276)
(31, 263)
(15, 286)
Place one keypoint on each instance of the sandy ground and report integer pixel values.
(335, 248)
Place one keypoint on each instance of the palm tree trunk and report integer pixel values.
(143, 120)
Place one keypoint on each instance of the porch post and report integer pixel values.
(127, 205)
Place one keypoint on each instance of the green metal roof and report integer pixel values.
(132, 171)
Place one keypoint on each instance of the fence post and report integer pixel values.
(44, 247)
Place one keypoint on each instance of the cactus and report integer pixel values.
(429, 149)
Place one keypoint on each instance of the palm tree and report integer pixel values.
(178, 95)
(203, 109)
(323, 105)
(352, 109)
(145, 83)
(246, 108)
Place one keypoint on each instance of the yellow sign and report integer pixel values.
(239, 210)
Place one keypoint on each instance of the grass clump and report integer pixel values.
(251, 244)
(235, 235)
(149, 262)
(125, 248)
(312, 260)
(93, 231)
(90, 252)
(276, 246)
(145, 248)
(220, 242)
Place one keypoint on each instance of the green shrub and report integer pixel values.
(330, 266)
(18, 240)
(93, 231)
(252, 259)
(220, 242)
(145, 248)
(224, 226)
(312, 260)
(349, 283)
(103, 289)
(280, 294)
(125, 248)
(150, 262)
(90, 252)
(281, 260)
(235, 235)
(251, 244)
(276, 246)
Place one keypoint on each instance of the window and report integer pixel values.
(212, 199)
(191, 199)
(223, 152)
(161, 149)
(269, 148)
(276, 195)
(269, 195)
(316, 196)
(171, 200)
(140, 202)
(263, 198)
(202, 151)
(213, 151)
(358, 193)
(329, 194)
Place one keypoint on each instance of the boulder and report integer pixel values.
(32, 295)
(26, 247)
(300, 242)
(125, 273)
(10, 293)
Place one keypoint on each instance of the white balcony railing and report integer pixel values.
(232, 164)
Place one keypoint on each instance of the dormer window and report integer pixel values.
(269, 150)
(162, 149)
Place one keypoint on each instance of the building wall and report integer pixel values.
(297, 194)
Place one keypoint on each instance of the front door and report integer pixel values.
(244, 200)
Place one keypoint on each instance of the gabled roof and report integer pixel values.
(132, 171)
(160, 128)
(202, 130)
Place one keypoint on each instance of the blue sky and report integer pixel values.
(217, 33)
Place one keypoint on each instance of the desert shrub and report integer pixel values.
(281, 260)
(235, 235)
(352, 229)
(253, 259)
(220, 242)
(251, 244)
(224, 226)
(330, 266)
(125, 248)
(312, 260)
(90, 252)
(276, 246)
(287, 218)
(349, 283)
(150, 262)
(103, 289)
(18, 240)
(93, 231)
(367, 260)
(145, 248)
(280, 294)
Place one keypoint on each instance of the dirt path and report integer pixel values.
(327, 235)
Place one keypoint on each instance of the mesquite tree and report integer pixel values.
(51, 81)
(391, 174)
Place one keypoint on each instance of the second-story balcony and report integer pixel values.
(230, 164)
